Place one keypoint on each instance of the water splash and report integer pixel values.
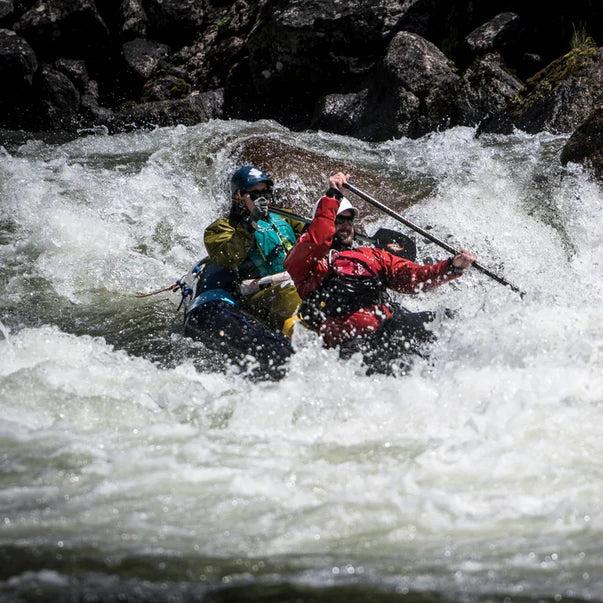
(474, 476)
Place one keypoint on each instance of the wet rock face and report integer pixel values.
(585, 146)
(370, 70)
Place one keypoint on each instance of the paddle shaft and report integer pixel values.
(429, 236)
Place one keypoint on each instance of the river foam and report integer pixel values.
(476, 475)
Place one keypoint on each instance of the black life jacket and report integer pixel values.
(352, 284)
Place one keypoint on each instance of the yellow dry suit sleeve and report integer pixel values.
(227, 244)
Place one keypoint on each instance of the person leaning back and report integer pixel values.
(344, 286)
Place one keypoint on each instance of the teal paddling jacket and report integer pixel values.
(254, 254)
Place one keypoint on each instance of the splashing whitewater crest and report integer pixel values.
(476, 476)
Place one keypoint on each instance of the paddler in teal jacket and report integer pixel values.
(254, 242)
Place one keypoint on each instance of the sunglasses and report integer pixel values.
(253, 195)
(343, 219)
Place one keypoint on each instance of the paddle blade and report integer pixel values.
(396, 243)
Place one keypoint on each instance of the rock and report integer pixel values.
(75, 70)
(64, 28)
(6, 8)
(485, 89)
(60, 100)
(134, 22)
(18, 66)
(18, 63)
(165, 87)
(497, 35)
(142, 56)
(297, 171)
(415, 91)
(558, 98)
(585, 145)
(189, 111)
(341, 113)
(174, 21)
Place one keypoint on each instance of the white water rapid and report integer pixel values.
(127, 470)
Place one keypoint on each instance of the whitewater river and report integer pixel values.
(133, 470)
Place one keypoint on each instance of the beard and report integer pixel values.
(343, 240)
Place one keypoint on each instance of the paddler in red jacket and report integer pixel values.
(344, 287)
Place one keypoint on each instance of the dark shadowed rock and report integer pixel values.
(341, 113)
(165, 87)
(485, 89)
(305, 50)
(64, 28)
(6, 8)
(18, 66)
(188, 111)
(18, 63)
(585, 146)
(134, 21)
(497, 35)
(60, 100)
(93, 114)
(75, 70)
(174, 21)
(415, 91)
(142, 56)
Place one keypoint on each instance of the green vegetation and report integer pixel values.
(544, 83)
(579, 36)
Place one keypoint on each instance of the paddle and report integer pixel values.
(429, 236)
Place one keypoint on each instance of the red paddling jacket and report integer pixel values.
(344, 292)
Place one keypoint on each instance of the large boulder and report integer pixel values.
(485, 88)
(174, 21)
(415, 91)
(188, 111)
(6, 8)
(18, 66)
(558, 98)
(303, 51)
(64, 28)
(133, 22)
(300, 177)
(59, 100)
(142, 56)
(585, 145)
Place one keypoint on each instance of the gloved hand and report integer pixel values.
(260, 209)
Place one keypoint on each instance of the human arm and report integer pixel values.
(305, 262)
(227, 243)
(408, 277)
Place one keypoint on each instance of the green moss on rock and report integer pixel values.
(546, 82)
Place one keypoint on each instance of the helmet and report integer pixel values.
(246, 177)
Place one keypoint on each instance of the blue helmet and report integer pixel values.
(246, 177)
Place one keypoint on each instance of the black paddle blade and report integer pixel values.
(396, 243)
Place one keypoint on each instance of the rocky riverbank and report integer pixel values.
(372, 71)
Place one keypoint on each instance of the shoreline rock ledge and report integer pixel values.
(394, 68)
